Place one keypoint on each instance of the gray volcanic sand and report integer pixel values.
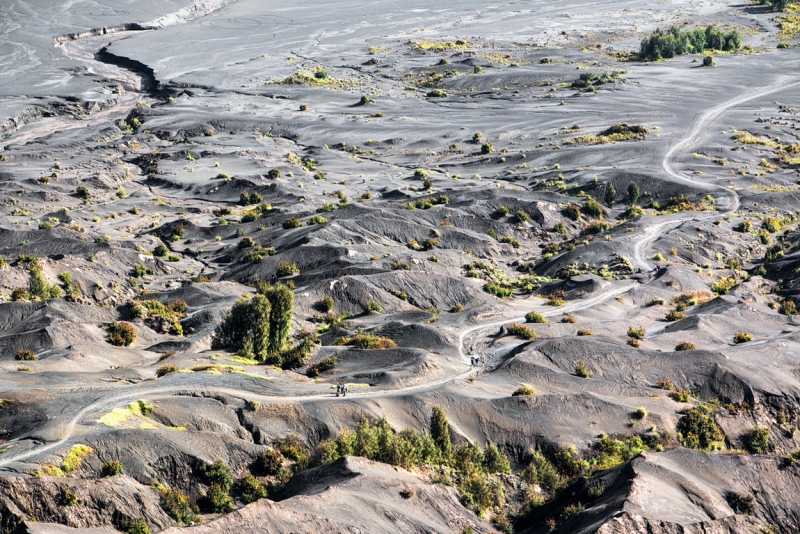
(168, 111)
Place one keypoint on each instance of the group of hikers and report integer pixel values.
(341, 389)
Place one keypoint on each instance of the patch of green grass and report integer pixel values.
(74, 457)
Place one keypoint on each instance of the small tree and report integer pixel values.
(611, 194)
(440, 432)
(246, 328)
(633, 193)
(281, 300)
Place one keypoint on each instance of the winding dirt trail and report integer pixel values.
(651, 233)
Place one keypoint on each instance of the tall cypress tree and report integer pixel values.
(633, 193)
(440, 432)
(282, 300)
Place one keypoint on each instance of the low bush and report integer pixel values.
(68, 496)
(179, 507)
(585, 332)
(286, 268)
(520, 330)
(373, 306)
(166, 369)
(324, 365)
(25, 355)
(635, 333)
(582, 370)
(742, 337)
(524, 390)
(535, 317)
(121, 334)
(112, 468)
(757, 440)
(365, 340)
(292, 222)
(685, 345)
(698, 430)
(325, 304)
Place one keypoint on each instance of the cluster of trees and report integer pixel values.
(675, 42)
(258, 327)
(472, 468)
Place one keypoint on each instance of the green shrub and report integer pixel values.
(68, 496)
(487, 148)
(640, 413)
(317, 219)
(437, 93)
(723, 285)
(635, 333)
(83, 192)
(112, 468)
(25, 355)
(685, 345)
(535, 317)
(216, 500)
(745, 227)
(250, 489)
(271, 461)
(161, 250)
(218, 473)
(772, 224)
(366, 341)
(757, 440)
(502, 211)
(325, 304)
(133, 526)
(373, 306)
(573, 212)
(698, 430)
(286, 268)
(741, 503)
(742, 337)
(585, 332)
(522, 216)
(788, 307)
(708, 61)
(593, 209)
(121, 334)
(582, 370)
(675, 315)
(498, 290)
(38, 287)
(292, 222)
(524, 390)
(520, 330)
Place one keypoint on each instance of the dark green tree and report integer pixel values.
(633, 193)
(611, 195)
(246, 328)
(440, 432)
(281, 299)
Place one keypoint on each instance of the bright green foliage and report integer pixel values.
(38, 286)
(611, 194)
(535, 317)
(178, 506)
(494, 461)
(217, 500)
(112, 468)
(250, 489)
(698, 430)
(133, 526)
(68, 496)
(154, 312)
(593, 208)
(541, 471)
(520, 330)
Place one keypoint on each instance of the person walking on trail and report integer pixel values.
(338, 389)
(344, 390)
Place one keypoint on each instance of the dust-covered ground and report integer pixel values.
(425, 173)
